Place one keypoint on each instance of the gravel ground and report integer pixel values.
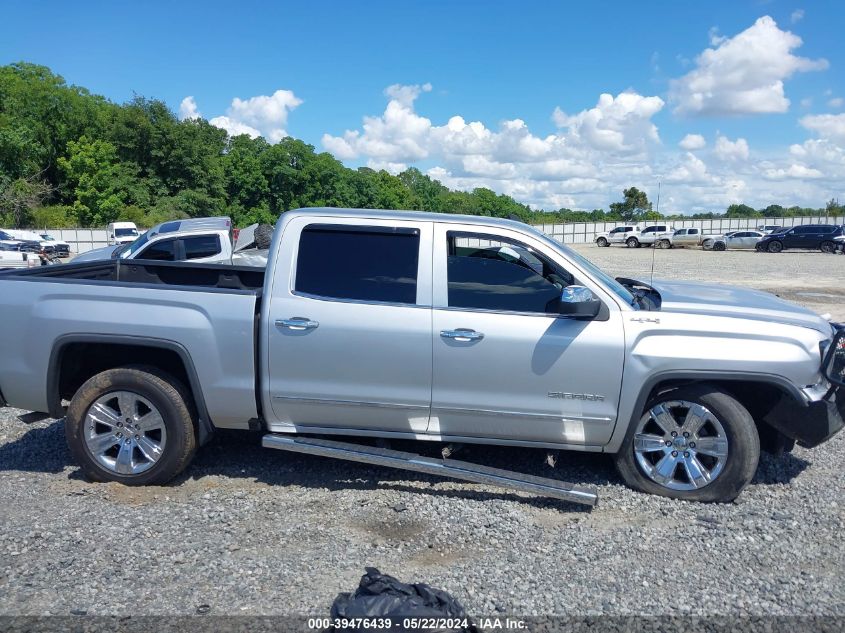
(252, 531)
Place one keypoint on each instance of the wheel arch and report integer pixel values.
(106, 351)
(758, 393)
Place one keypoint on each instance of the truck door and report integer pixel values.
(507, 364)
(348, 326)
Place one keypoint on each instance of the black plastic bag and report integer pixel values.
(380, 596)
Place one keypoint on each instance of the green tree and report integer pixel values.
(101, 185)
(20, 197)
(634, 206)
(741, 211)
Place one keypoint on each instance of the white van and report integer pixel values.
(122, 232)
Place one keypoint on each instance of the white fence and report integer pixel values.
(82, 240)
(585, 232)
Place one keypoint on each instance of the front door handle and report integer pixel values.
(462, 335)
(297, 323)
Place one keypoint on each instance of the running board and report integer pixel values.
(442, 467)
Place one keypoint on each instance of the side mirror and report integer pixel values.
(578, 301)
(833, 365)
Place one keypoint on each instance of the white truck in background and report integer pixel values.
(617, 235)
(122, 232)
(195, 240)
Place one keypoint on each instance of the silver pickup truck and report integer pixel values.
(419, 326)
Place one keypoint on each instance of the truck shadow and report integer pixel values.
(238, 455)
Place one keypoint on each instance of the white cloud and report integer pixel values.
(836, 102)
(620, 124)
(262, 115)
(726, 149)
(188, 109)
(793, 171)
(234, 127)
(595, 153)
(692, 142)
(827, 126)
(796, 16)
(743, 74)
(691, 170)
(806, 102)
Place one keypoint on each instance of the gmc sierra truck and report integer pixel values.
(446, 328)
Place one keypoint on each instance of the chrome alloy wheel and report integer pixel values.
(125, 433)
(680, 445)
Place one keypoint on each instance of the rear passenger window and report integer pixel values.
(161, 251)
(201, 246)
(367, 263)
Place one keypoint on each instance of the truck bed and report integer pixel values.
(205, 313)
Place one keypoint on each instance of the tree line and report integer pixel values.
(72, 158)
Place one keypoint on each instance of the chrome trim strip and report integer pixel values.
(306, 295)
(549, 416)
(294, 429)
(354, 403)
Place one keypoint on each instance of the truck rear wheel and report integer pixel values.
(632, 242)
(695, 443)
(133, 425)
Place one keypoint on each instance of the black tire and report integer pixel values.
(263, 236)
(162, 390)
(828, 247)
(602, 241)
(743, 447)
(775, 247)
(664, 244)
(719, 246)
(632, 242)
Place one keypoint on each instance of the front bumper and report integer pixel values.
(811, 424)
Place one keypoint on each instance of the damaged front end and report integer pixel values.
(815, 422)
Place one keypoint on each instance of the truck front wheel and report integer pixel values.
(695, 443)
(133, 425)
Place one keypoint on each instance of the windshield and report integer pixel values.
(602, 277)
(127, 250)
(125, 232)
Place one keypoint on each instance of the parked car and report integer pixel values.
(733, 240)
(31, 237)
(617, 235)
(15, 259)
(61, 248)
(392, 324)
(687, 237)
(658, 235)
(808, 236)
(9, 238)
(198, 240)
(122, 232)
(769, 228)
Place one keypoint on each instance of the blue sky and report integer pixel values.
(499, 94)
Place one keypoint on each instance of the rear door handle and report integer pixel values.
(462, 335)
(297, 323)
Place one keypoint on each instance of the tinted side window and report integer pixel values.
(502, 275)
(358, 263)
(201, 246)
(693, 231)
(163, 251)
(803, 230)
